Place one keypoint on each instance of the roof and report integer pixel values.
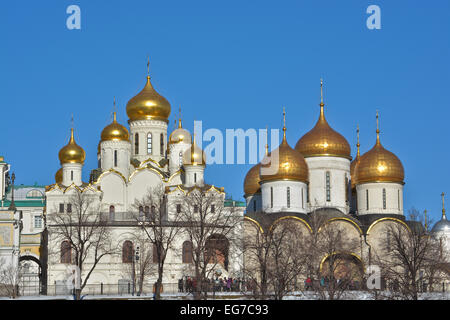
(21, 192)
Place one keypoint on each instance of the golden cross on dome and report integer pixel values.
(114, 109)
(71, 120)
(267, 140)
(321, 91)
(443, 206)
(378, 129)
(284, 124)
(357, 139)
(148, 65)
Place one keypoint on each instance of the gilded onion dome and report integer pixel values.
(379, 165)
(252, 179)
(194, 155)
(148, 105)
(115, 132)
(59, 176)
(72, 153)
(322, 140)
(355, 161)
(180, 135)
(291, 164)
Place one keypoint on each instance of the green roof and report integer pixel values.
(25, 203)
(229, 203)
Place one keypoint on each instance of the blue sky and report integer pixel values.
(231, 64)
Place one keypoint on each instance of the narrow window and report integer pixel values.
(161, 139)
(271, 197)
(327, 178)
(136, 143)
(384, 198)
(367, 199)
(187, 252)
(195, 178)
(178, 208)
(66, 254)
(213, 208)
(149, 143)
(115, 158)
(61, 208)
(195, 208)
(346, 188)
(307, 193)
(71, 175)
(112, 210)
(37, 221)
(288, 195)
(180, 159)
(147, 212)
(127, 252)
(254, 205)
(141, 213)
(99, 163)
(69, 208)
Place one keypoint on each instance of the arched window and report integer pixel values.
(288, 196)
(307, 193)
(367, 199)
(384, 198)
(34, 194)
(187, 252)
(271, 197)
(66, 252)
(141, 213)
(180, 158)
(161, 139)
(115, 158)
(71, 175)
(112, 210)
(149, 143)
(136, 143)
(328, 185)
(147, 212)
(127, 252)
(195, 178)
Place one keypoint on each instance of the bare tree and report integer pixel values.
(273, 259)
(331, 264)
(153, 217)
(10, 278)
(87, 234)
(210, 226)
(407, 255)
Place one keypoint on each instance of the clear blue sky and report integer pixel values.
(232, 64)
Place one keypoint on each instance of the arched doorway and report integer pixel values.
(30, 275)
(346, 268)
(217, 250)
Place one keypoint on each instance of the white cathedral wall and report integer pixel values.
(114, 192)
(70, 169)
(339, 169)
(194, 175)
(123, 156)
(141, 182)
(394, 198)
(174, 155)
(255, 200)
(142, 128)
(297, 188)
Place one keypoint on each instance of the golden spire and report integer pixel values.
(284, 124)
(179, 118)
(443, 207)
(267, 140)
(148, 66)
(321, 98)
(378, 130)
(357, 141)
(114, 110)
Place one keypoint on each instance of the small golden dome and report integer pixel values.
(291, 164)
(58, 176)
(115, 132)
(194, 156)
(252, 179)
(148, 105)
(180, 135)
(72, 153)
(379, 165)
(322, 140)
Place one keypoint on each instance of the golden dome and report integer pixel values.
(379, 165)
(291, 164)
(194, 156)
(148, 105)
(115, 132)
(72, 153)
(58, 176)
(251, 181)
(180, 135)
(322, 140)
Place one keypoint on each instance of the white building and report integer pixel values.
(131, 162)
